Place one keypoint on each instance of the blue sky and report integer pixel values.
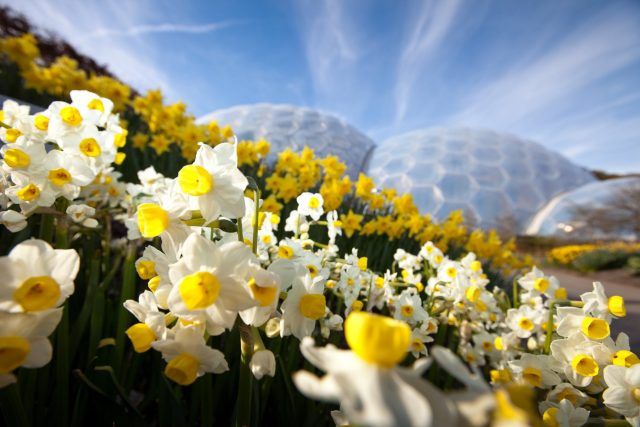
(564, 73)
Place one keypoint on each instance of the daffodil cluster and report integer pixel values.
(36, 281)
(65, 152)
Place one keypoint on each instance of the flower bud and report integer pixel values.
(272, 327)
(263, 362)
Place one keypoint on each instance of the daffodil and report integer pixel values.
(524, 321)
(151, 326)
(212, 279)
(563, 413)
(572, 319)
(581, 360)
(213, 182)
(623, 391)
(538, 283)
(371, 389)
(598, 304)
(24, 342)
(265, 290)
(310, 204)
(67, 173)
(262, 363)
(14, 221)
(305, 304)
(409, 308)
(37, 277)
(82, 214)
(536, 370)
(188, 356)
(92, 107)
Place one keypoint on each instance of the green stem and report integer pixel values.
(547, 340)
(516, 297)
(127, 292)
(243, 402)
(11, 404)
(62, 340)
(62, 369)
(46, 228)
(240, 233)
(4, 125)
(256, 217)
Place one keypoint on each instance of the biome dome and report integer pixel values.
(494, 177)
(296, 127)
(559, 217)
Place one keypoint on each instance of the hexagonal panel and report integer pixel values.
(491, 175)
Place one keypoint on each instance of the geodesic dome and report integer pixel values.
(495, 178)
(295, 127)
(558, 217)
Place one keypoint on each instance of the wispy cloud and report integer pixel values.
(578, 61)
(427, 33)
(137, 30)
(332, 45)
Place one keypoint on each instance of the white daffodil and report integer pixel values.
(262, 363)
(371, 389)
(330, 323)
(151, 326)
(304, 305)
(567, 391)
(349, 284)
(408, 307)
(580, 358)
(484, 341)
(538, 283)
(406, 261)
(64, 119)
(432, 254)
(67, 173)
(295, 222)
(91, 146)
(211, 278)
(290, 249)
(37, 277)
(265, 290)
(597, 304)
(82, 214)
(563, 414)
(14, 221)
(571, 319)
(165, 218)
(24, 156)
(92, 107)
(419, 338)
(451, 272)
(623, 391)
(151, 180)
(14, 113)
(535, 370)
(188, 356)
(214, 183)
(154, 266)
(524, 321)
(39, 126)
(334, 226)
(30, 192)
(310, 204)
(23, 340)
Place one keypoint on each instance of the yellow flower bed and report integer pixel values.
(565, 255)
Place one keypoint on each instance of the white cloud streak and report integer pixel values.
(137, 30)
(427, 34)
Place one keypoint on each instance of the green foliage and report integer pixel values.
(634, 264)
(601, 259)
